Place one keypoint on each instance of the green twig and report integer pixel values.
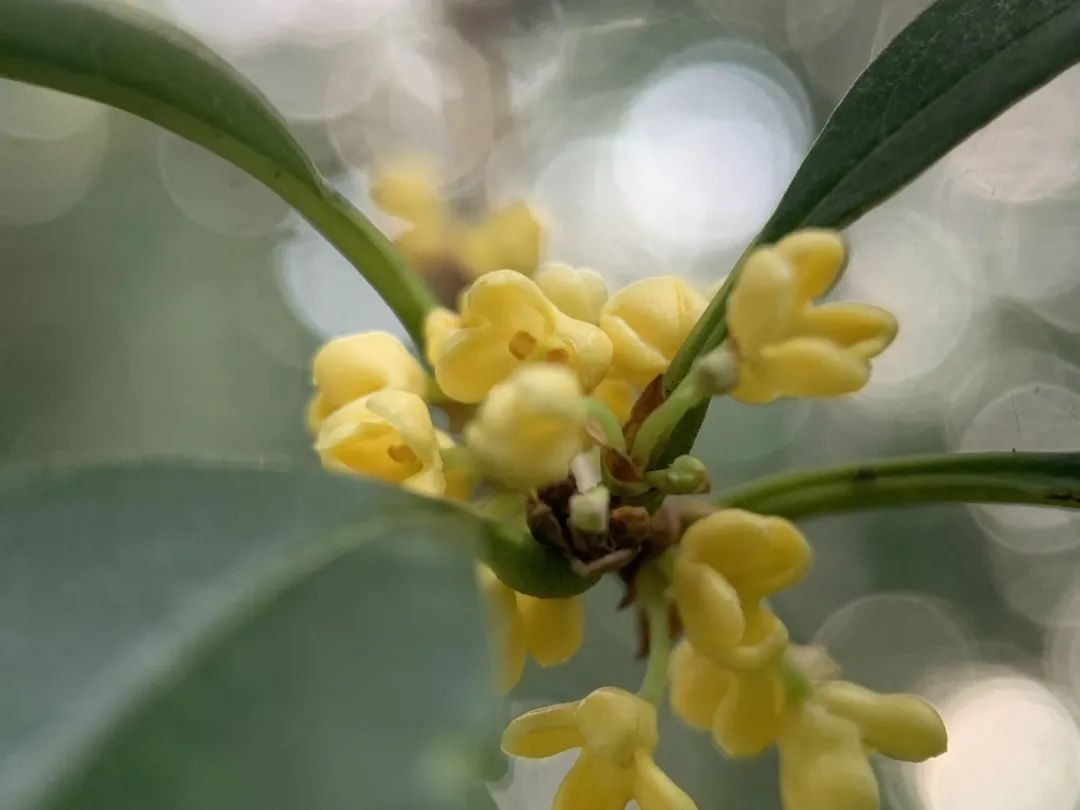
(652, 586)
(1039, 479)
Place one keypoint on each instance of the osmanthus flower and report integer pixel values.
(387, 435)
(507, 238)
(576, 291)
(647, 322)
(790, 346)
(549, 630)
(824, 736)
(504, 321)
(726, 564)
(529, 427)
(616, 732)
(351, 367)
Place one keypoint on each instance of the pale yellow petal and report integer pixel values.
(758, 555)
(817, 257)
(351, 367)
(472, 361)
(763, 643)
(406, 189)
(750, 715)
(654, 790)
(750, 389)
(554, 628)
(616, 724)
(760, 307)
(512, 301)
(811, 367)
(697, 686)
(515, 237)
(823, 765)
(577, 292)
(439, 325)
(589, 349)
(709, 607)
(408, 414)
(543, 732)
(862, 329)
(508, 646)
(618, 395)
(595, 784)
(633, 358)
(317, 410)
(898, 725)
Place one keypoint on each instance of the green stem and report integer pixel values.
(608, 422)
(658, 425)
(652, 585)
(1040, 479)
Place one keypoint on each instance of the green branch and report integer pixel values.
(1038, 479)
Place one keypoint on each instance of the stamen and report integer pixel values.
(401, 453)
(558, 356)
(522, 345)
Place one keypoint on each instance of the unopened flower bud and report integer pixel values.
(686, 476)
(717, 372)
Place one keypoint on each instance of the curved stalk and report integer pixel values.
(1038, 479)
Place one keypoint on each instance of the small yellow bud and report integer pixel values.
(617, 734)
(787, 345)
(529, 427)
(407, 189)
(898, 726)
(823, 765)
(648, 322)
(386, 435)
(351, 367)
(505, 322)
(578, 292)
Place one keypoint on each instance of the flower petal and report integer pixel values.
(709, 608)
(595, 784)
(817, 257)
(861, 328)
(590, 350)
(654, 790)
(760, 306)
(899, 726)
(543, 732)
(812, 367)
(697, 686)
(750, 715)
(512, 301)
(508, 647)
(763, 643)
(472, 361)
(576, 291)
(554, 628)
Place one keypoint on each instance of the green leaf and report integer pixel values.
(177, 636)
(140, 63)
(952, 71)
(1038, 479)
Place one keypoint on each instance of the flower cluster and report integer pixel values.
(554, 390)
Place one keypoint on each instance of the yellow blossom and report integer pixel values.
(351, 367)
(507, 238)
(726, 564)
(550, 630)
(789, 346)
(530, 427)
(616, 732)
(648, 322)
(619, 397)
(386, 435)
(505, 322)
(743, 709)
(578, 292)
(822, 763)
(899, 726)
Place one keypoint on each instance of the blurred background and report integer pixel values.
(158, 302)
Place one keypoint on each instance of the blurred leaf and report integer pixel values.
(952, 71)
(140, 63)
(179, 637)
(1039, 479)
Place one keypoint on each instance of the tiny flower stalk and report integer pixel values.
(652, 587)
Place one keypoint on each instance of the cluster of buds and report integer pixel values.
(554, 389)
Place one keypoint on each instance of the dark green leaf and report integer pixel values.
(178, 637)
(953, 70)
(132, 60)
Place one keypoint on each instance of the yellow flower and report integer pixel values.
(578, 292)
(506, 321)
(386, 435)
(616, 732)
(647, 323)
(550, 630)
(726, 564)
(822, 763)
(619, 396)
(787, 345)
(507, 238)
(743, 709)
(351, 367)
(530, 427)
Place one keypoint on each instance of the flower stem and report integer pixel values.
(658, 425)
(607, 421)
(652, 587)
(1041, 479)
